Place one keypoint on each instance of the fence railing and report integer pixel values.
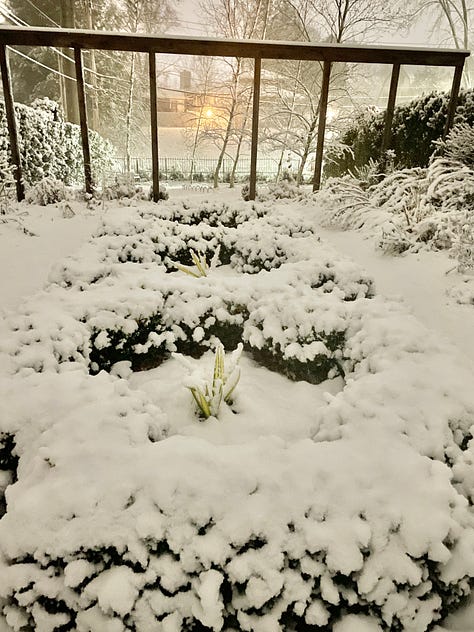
(326, 54)
(179, 167)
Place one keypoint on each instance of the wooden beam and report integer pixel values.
(103, 40)
(155, 167)
(323, 106)
(81, 96)
(255, 112)
(453, 101)
(392, 97)
(11, 123)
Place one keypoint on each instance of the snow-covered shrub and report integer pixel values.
(346, 205)
(7, 184)
(187, 534)
(179, 532)
(463, 243)
(213, 213)
(298, 335)
(8, 465)
(122, 304)
(459, 144)
(50, 147)
(401, 192)
(283, 190)
(463, 292)
(409, 208)
(416, 127)
(124, 189)
(46, 191)
(395, 239)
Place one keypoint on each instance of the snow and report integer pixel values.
(239, 496)
(25, 261)
(421, 281)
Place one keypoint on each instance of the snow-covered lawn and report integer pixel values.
(301, 503)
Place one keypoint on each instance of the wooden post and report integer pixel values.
(255, 112)
(11, 122)
(458, 70)
(323, 106)
(81, 97)
(155, 167)
(392, 97)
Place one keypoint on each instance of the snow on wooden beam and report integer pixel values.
(104, 40)
(258, 50)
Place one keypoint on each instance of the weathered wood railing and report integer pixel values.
(258, 50)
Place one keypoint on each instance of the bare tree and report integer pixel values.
(296, 106)
(239, 19)
(455, 17)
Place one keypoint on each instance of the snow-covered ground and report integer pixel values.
(417, 281)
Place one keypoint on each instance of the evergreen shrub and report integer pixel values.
(51, 147)
(415, 129)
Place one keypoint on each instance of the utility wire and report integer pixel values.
(38, 63)
(19, 22)
(32, 4)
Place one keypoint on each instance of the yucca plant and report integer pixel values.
(201, 268)
(209, 394)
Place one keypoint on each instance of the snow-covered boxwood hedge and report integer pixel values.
(51, 147)
(156, 529)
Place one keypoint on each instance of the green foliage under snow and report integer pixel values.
(51, 147)
(416, 128)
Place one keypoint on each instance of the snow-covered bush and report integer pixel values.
(46, 191)
(409, 208)
(298, 336)
(416, 129)
(50, 147)
(209, 212)
(178, 529)
(282, 190)
(459, 144)
(7, 184)
(463, 243)
(116, 311)
(346, 205)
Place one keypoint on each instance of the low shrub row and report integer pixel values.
(159, 528)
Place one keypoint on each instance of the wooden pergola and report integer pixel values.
(328, 54)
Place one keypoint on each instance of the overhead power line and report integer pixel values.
(50, 20)
(19, 22)
(38, 63)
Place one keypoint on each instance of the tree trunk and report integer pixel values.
(224, 144)
(71, 104)
(128, 120)
(288, 123)
(195, 144)
(306, 150)
(94, 101)
(239, 144)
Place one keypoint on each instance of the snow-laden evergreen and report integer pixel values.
(51, 147)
